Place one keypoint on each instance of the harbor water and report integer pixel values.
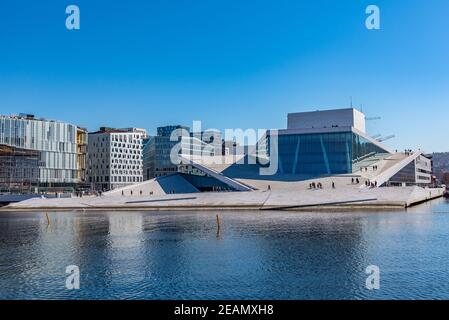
(255, 254)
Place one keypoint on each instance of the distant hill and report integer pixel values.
(440, 163)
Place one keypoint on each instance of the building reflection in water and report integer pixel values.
(258, 255)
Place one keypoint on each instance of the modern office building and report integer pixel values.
(158, 149)
(196, 148)
(208, 140)
(115, 158)
(156, 152)
(60, 165)
(233, 148)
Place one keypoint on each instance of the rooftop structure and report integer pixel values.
(324, 119)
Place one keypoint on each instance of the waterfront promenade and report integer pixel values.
(293, 196)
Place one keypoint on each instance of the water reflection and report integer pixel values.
(258, 255)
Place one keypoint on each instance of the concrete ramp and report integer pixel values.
(173, 183)
(232, 183)
(350, 198)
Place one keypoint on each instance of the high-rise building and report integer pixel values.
(210, 137)
(115, 158)
(157, 151)
(56, 142)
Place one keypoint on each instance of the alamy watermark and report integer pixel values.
(249, 146)
(372, 22)
(372, 282)
(72, 22)
(72, 281)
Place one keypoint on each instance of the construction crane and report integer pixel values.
(372, 118)
(376, 136)
(386, 138)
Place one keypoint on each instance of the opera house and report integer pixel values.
(323, 159)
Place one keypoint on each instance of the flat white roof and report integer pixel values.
(324, 119)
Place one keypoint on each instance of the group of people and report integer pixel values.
(319, 185)
(371, 184)
(315, 185)
(366, 168)
(79, 194)
(131, 192)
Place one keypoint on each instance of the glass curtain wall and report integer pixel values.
(324, 153)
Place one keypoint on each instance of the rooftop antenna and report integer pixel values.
(351, 100)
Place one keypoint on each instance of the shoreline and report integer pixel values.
(345, 199)
(343, 207)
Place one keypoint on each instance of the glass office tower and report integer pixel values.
(156, 153)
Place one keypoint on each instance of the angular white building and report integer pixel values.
(319, 144)
(115, 158)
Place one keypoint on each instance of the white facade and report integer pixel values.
(349, 117)
(115, 158)
(423, 170)
(55, 141)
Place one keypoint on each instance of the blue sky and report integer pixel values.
(229, 63)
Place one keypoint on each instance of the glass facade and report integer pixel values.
(324, 153)
(406, 175)
(19, 169)
(157, 151)
(167, 130)
(156, 154)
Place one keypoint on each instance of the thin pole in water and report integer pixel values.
(218, 225)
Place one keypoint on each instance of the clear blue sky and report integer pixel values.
(229, 63)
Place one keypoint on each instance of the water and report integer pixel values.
(258, 255)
